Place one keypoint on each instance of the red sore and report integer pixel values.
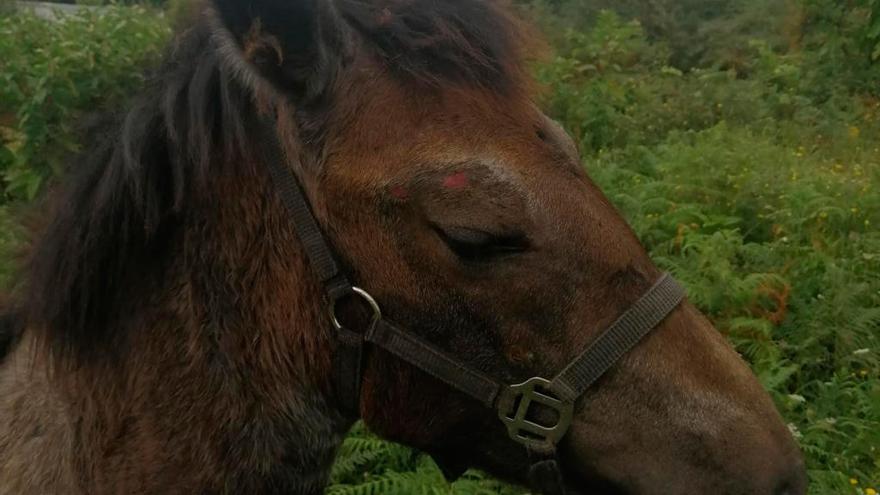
(456, 181)
(400, 192)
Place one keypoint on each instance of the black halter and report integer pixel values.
(512, 402)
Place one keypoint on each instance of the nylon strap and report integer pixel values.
(434, 362)
(347, 370)
(306, 226)
(619, 338)
(545, 476)
(349, 352)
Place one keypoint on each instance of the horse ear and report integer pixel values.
(298, 45)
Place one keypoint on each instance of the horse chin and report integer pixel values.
(588, 482)
(597, 485)
(575, 484)
(452, 467)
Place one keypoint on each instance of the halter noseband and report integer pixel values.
(512, 402)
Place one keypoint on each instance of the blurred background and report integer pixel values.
(740, 138)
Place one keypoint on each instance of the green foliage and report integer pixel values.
(740, 138)
(6, 7)
(842, 43)
(52, 73)
(10, 238)
(699, 33)
(368, 465)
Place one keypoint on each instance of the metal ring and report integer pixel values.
(377, 313)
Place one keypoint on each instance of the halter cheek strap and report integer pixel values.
(513, 403)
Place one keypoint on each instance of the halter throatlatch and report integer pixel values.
(537, 413)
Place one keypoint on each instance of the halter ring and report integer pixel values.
(366, 297)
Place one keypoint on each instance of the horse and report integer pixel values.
(169, 333)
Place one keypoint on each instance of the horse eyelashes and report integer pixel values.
(479, 245)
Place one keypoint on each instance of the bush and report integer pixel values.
(699, 33)
(53, 73)
(10, 236)
(369, 465)
(842, 41)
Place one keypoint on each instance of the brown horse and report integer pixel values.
(171, 337)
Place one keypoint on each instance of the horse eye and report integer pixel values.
(479, 245)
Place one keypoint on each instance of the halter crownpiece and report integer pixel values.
(538, 433)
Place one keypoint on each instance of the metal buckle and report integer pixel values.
(515, 414)
(364, 295)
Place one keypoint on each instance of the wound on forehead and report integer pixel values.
(400, 193)
(457, 180)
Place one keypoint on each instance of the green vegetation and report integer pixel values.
(368, 465)
(53, 73)
(741, 139)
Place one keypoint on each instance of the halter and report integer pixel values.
(512, 402)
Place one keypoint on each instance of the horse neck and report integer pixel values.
(226, 377)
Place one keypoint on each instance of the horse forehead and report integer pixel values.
(533, 183)
(377, 105)
(469, 175)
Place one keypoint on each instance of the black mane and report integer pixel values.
(471, 41)
(122, 199)
(11, 327)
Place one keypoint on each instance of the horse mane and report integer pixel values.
(439, 42)
(123, 200)
(11, 327)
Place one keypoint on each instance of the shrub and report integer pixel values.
(699, 33)
(53, 73)
(842, 41)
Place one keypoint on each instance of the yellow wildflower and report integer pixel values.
(854, 132)
(870, 491)
(853, 481)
